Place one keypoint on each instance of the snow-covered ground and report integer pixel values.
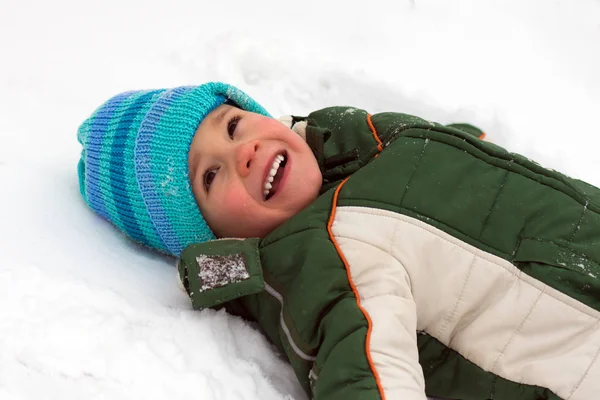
(86, 314)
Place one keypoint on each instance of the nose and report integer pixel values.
(245, 154)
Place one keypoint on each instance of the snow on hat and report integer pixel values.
(133, 169)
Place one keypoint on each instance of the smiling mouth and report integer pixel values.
(273, 179)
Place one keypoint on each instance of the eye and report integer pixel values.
(208, 177)
(232, 124)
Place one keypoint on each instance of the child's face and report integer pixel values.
(232, 161)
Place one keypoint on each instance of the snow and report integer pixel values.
(219, 271)
(85, 313)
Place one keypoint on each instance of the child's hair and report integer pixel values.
(133, 169)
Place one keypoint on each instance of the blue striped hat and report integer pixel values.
(133, 169)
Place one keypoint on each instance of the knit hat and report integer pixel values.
(133, 169)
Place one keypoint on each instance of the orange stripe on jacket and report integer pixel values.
(353, 286)
(374, 131)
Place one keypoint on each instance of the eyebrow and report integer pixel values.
(193, 171)
(218, 120)
(220, 116)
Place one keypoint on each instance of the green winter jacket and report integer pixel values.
(432, 263)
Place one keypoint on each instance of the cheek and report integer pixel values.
(234, 203)
(230, 208)
(267, 126)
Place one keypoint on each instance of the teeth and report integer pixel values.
(267, 186)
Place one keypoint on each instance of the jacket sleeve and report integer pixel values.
(469, 129)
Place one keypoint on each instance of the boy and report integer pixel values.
(386, 256)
